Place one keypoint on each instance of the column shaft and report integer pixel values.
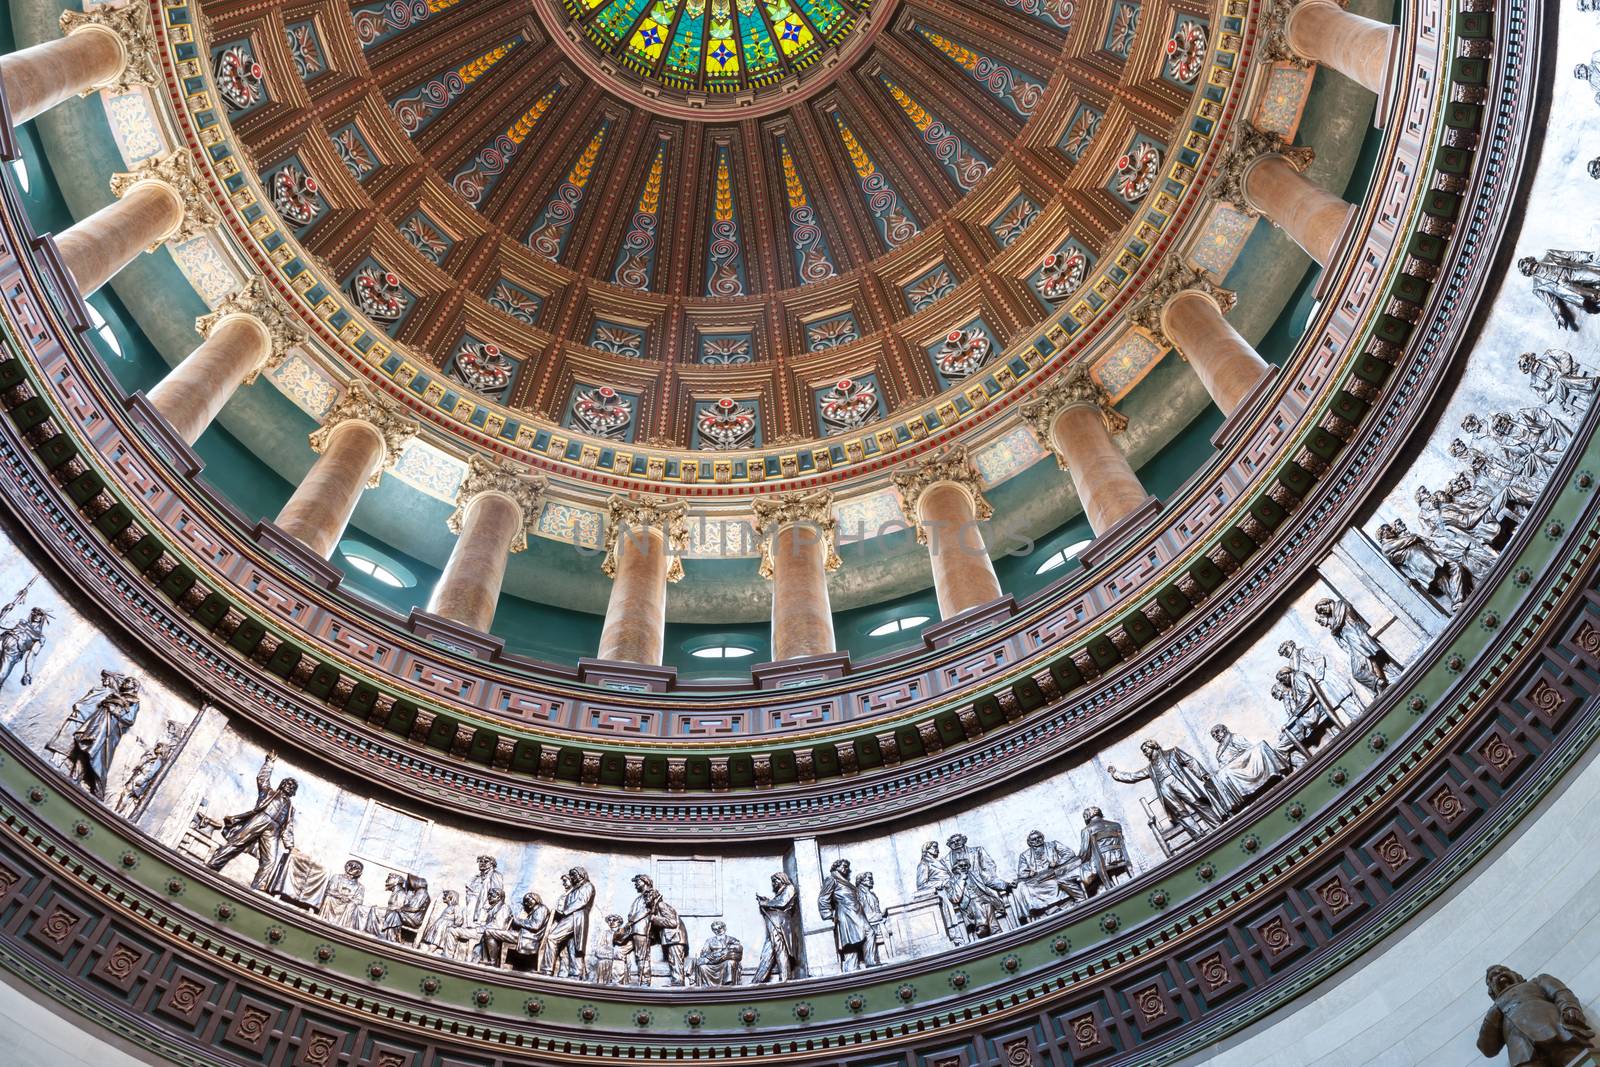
(96, 248)
(963, 574)
(1354, 46)
(321, 506)
(39, 78)
(802, 618)
(1314, 217)
(1226, 363)
(1102, 475)
(194, 391)
(469, 588)
(636, 614)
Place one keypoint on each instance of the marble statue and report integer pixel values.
(1183, 787)
(840, 903)
(720, 958)
(652, 921)
(1538, 1022)
(265, 831)
(780, 951)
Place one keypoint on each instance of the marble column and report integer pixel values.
(496, 506)
(38, 78)
(357, 441)
(1073, 417)
(161, 200)
(1186, 309)
(942, 498)
(247, 332)
(1314, 217)
(798, 549)
(644, 537)
(1357, 47)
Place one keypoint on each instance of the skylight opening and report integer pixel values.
(894, 626)
(1061, 557)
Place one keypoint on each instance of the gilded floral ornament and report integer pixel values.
(129, 23)
(1275, 34)
(485, 476)
(815, 509)
(256, 299)
(1074, 388)
(359, 404)
(645, 513)
(1250, 145)
(1175, 277)
(952, 466)
(176, 171)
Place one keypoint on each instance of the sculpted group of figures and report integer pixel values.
(1506, 460)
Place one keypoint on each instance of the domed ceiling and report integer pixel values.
(716, 224)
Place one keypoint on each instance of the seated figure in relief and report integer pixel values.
(1244, 768)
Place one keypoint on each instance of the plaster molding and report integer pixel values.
(1076, 388)
(773, 513)
(129, 25)
(523, 489)
(671, 517)
(954, 467)
(176, 172)
(255, 300)
(1250, 146)
(358, 405)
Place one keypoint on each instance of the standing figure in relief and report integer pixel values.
(495, 917)
(780, 952)
(840, 903)
(96, 725)
(1244, 768)
(265, 831)
(933, 879)
(1048, 877)
(21, 642)
(652, 921)
(1182, 786)
(978, 905)
(569, 928)
(720, 958)
(1369, 663)
(614, 958)
(872, 908)
(343, 898)
(1563, 281)
(145, 772)
(1539, 1022)
(1556, 378)
(440, 938)
(488, 878)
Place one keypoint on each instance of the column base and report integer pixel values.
(1109, 541)
(969, 623)
(293, 552)
(159, 432)
(793, 673)
(447, 633)
(627, 677)
(1241, 413)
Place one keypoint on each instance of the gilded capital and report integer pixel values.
(129, 24)
(1176, 276)
(951, 466)
(1075, 387)
(1249, 146)
(176, 171)
(644, 513)
(359, 405)
(520, 486)
(814, 509)
(256, 299)
(1275, 33)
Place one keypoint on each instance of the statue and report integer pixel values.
(523, 933)
(1048, 877)
(495, 917)
(614, 957)
(872, 908)
(653, 921)
(569, 927)
(1104, 847)
(1556, 378)
(720, 958)
(780, 951)
(840, 903)
(343, 898)
(488, 878)
(95, 727)
(21, 642)
(1590, 73)
(1182, 787)
(440, 937)
(145, 772)
(1422, 564)
(1369, 663)
(1564, 281)
(1243, 768)
(1538, 1022)
(264, 831)
(977, 903)
(933, 879)
(408, 903)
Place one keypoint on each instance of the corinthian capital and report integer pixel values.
(644, 513)
(176, 171)
(129, 25)
(1175, 277)
(257, 300)
(1074, 388)
(1250, 145)
(952, 466)
(1275, 33)
(813, 509)
(522, 488)
(359, 405)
